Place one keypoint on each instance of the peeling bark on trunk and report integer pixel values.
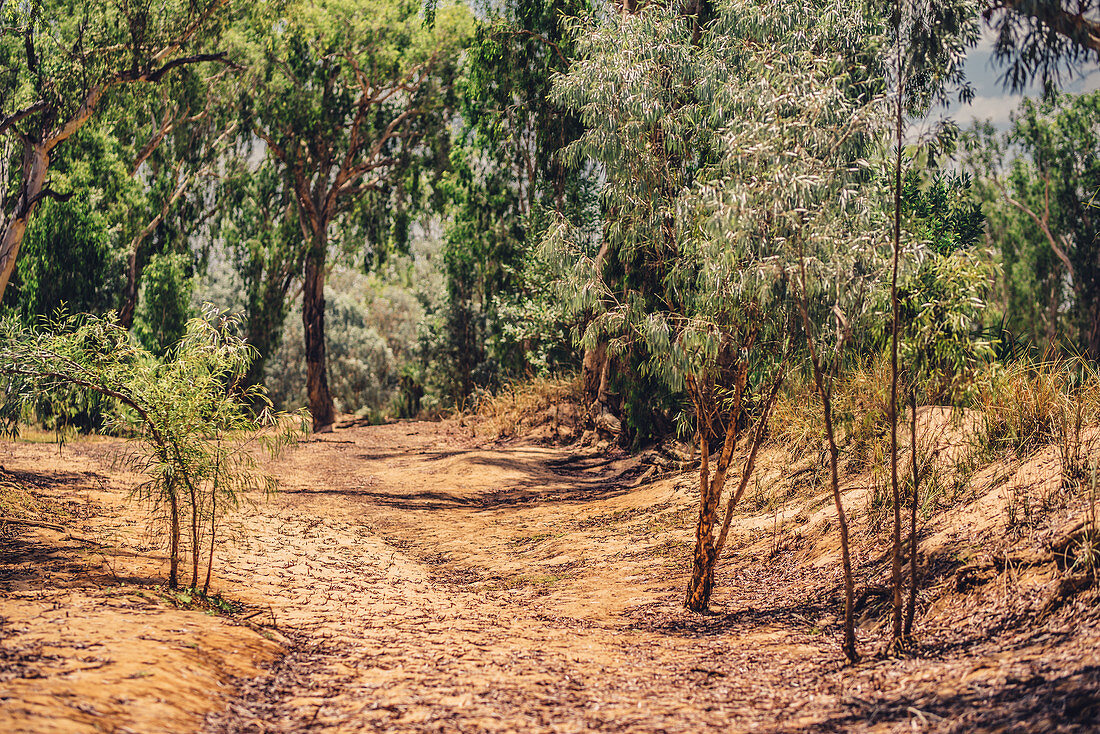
(593, 369)
(705, 555)
(702, 567)
(313, 321)
(36, 163)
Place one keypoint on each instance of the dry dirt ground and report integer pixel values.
(410, 578)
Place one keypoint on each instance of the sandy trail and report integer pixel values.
(421, 581)
(391, 643)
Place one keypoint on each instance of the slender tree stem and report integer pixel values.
(824, 392)
(895, 491)
(914, 579)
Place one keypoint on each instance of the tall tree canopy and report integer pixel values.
(350, 99)
(59, 61)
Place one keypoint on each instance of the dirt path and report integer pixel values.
(391, 642)
(424, 582)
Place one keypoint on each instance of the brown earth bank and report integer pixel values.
(410, 577)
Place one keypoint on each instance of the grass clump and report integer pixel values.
(1022, 405)
(523, 406)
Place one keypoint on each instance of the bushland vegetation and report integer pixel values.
(716, 214)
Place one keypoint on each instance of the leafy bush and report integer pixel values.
(194, 426)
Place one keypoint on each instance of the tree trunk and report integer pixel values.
(593, 371)
(130, 293)
(849, 645)
(914, 580)
(824, 392)
(703, 561)
(36, 162)
(194, 537)
(710, 487)
(895, 491)
(595, 363)
(1093, 340)
(702, 567)
(174, 539)
(313, 321)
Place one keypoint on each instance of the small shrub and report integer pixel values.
(193, 421)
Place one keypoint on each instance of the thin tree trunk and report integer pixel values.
(705, 556)
(895, 491)
(849, 645)
(135, 262)
(213, 519)
(824, 392)
(702, 567)
(194, 536)
(750, 462)
(174, 540)
(749, 466)
(914, 580)
(313, 321)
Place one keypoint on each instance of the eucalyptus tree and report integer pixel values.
(60, 62)
(599, 377)
(930, 38)
(350, 99)
(727, 153)
(1042, 177)
(258, 222)
(71, 252)
(506, 177)
(181, 138)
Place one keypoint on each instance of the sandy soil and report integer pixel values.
(408, 578)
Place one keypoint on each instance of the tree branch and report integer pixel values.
(1073, 26)
(15, 117)
(156, 74)
(48, 193)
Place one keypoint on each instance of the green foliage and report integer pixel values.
(55, 51)
(506, 176)
(165, 308)
(371, 336)
(196, 432)
(723, 154)
(1045, 40)
(70, 256)
(943, 293)
(357, 90)
(258, 226)
(1039, 180)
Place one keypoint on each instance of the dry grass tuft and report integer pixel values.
(524, 406)
(1025, 407)
(860, 403)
